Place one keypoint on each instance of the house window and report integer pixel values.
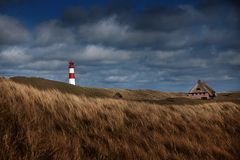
(198, 89)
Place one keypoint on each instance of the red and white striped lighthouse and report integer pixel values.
(71, 73)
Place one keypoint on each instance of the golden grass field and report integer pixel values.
(48, 123)
(44, 84)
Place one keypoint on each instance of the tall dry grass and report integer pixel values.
(45, 84)
(46, 125)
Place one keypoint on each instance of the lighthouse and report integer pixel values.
(71, 73)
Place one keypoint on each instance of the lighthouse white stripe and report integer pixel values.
(72, 81)
(71, 70)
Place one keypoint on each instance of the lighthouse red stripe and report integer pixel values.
(71, 66)
(71, 75)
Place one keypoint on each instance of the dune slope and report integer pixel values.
(45, 84)
(49, 124)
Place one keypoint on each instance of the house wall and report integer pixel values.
(199, 95)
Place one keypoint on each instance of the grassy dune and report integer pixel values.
(49, 124)
(44, 84)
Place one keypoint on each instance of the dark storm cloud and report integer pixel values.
(121, 44)
(12, 31)
(158, 27)
(5, 3)
(80, 15)
(215, 3)
(77, 15)
(51, 32)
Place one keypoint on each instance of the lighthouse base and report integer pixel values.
(72, 81)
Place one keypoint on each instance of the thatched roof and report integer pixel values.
(202, 87)
(118, 95)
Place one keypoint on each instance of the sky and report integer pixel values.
(136, 44)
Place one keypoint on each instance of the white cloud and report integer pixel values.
(235, 60)
(177, 58)
(194, 62)
(168, 55)
(117, 79)
(229, 57)
(45, 65)
(97, 52)
(107, 29)
(14, 55)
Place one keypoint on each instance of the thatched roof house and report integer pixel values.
(201, 91)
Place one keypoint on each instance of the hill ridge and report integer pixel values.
(44, 84)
